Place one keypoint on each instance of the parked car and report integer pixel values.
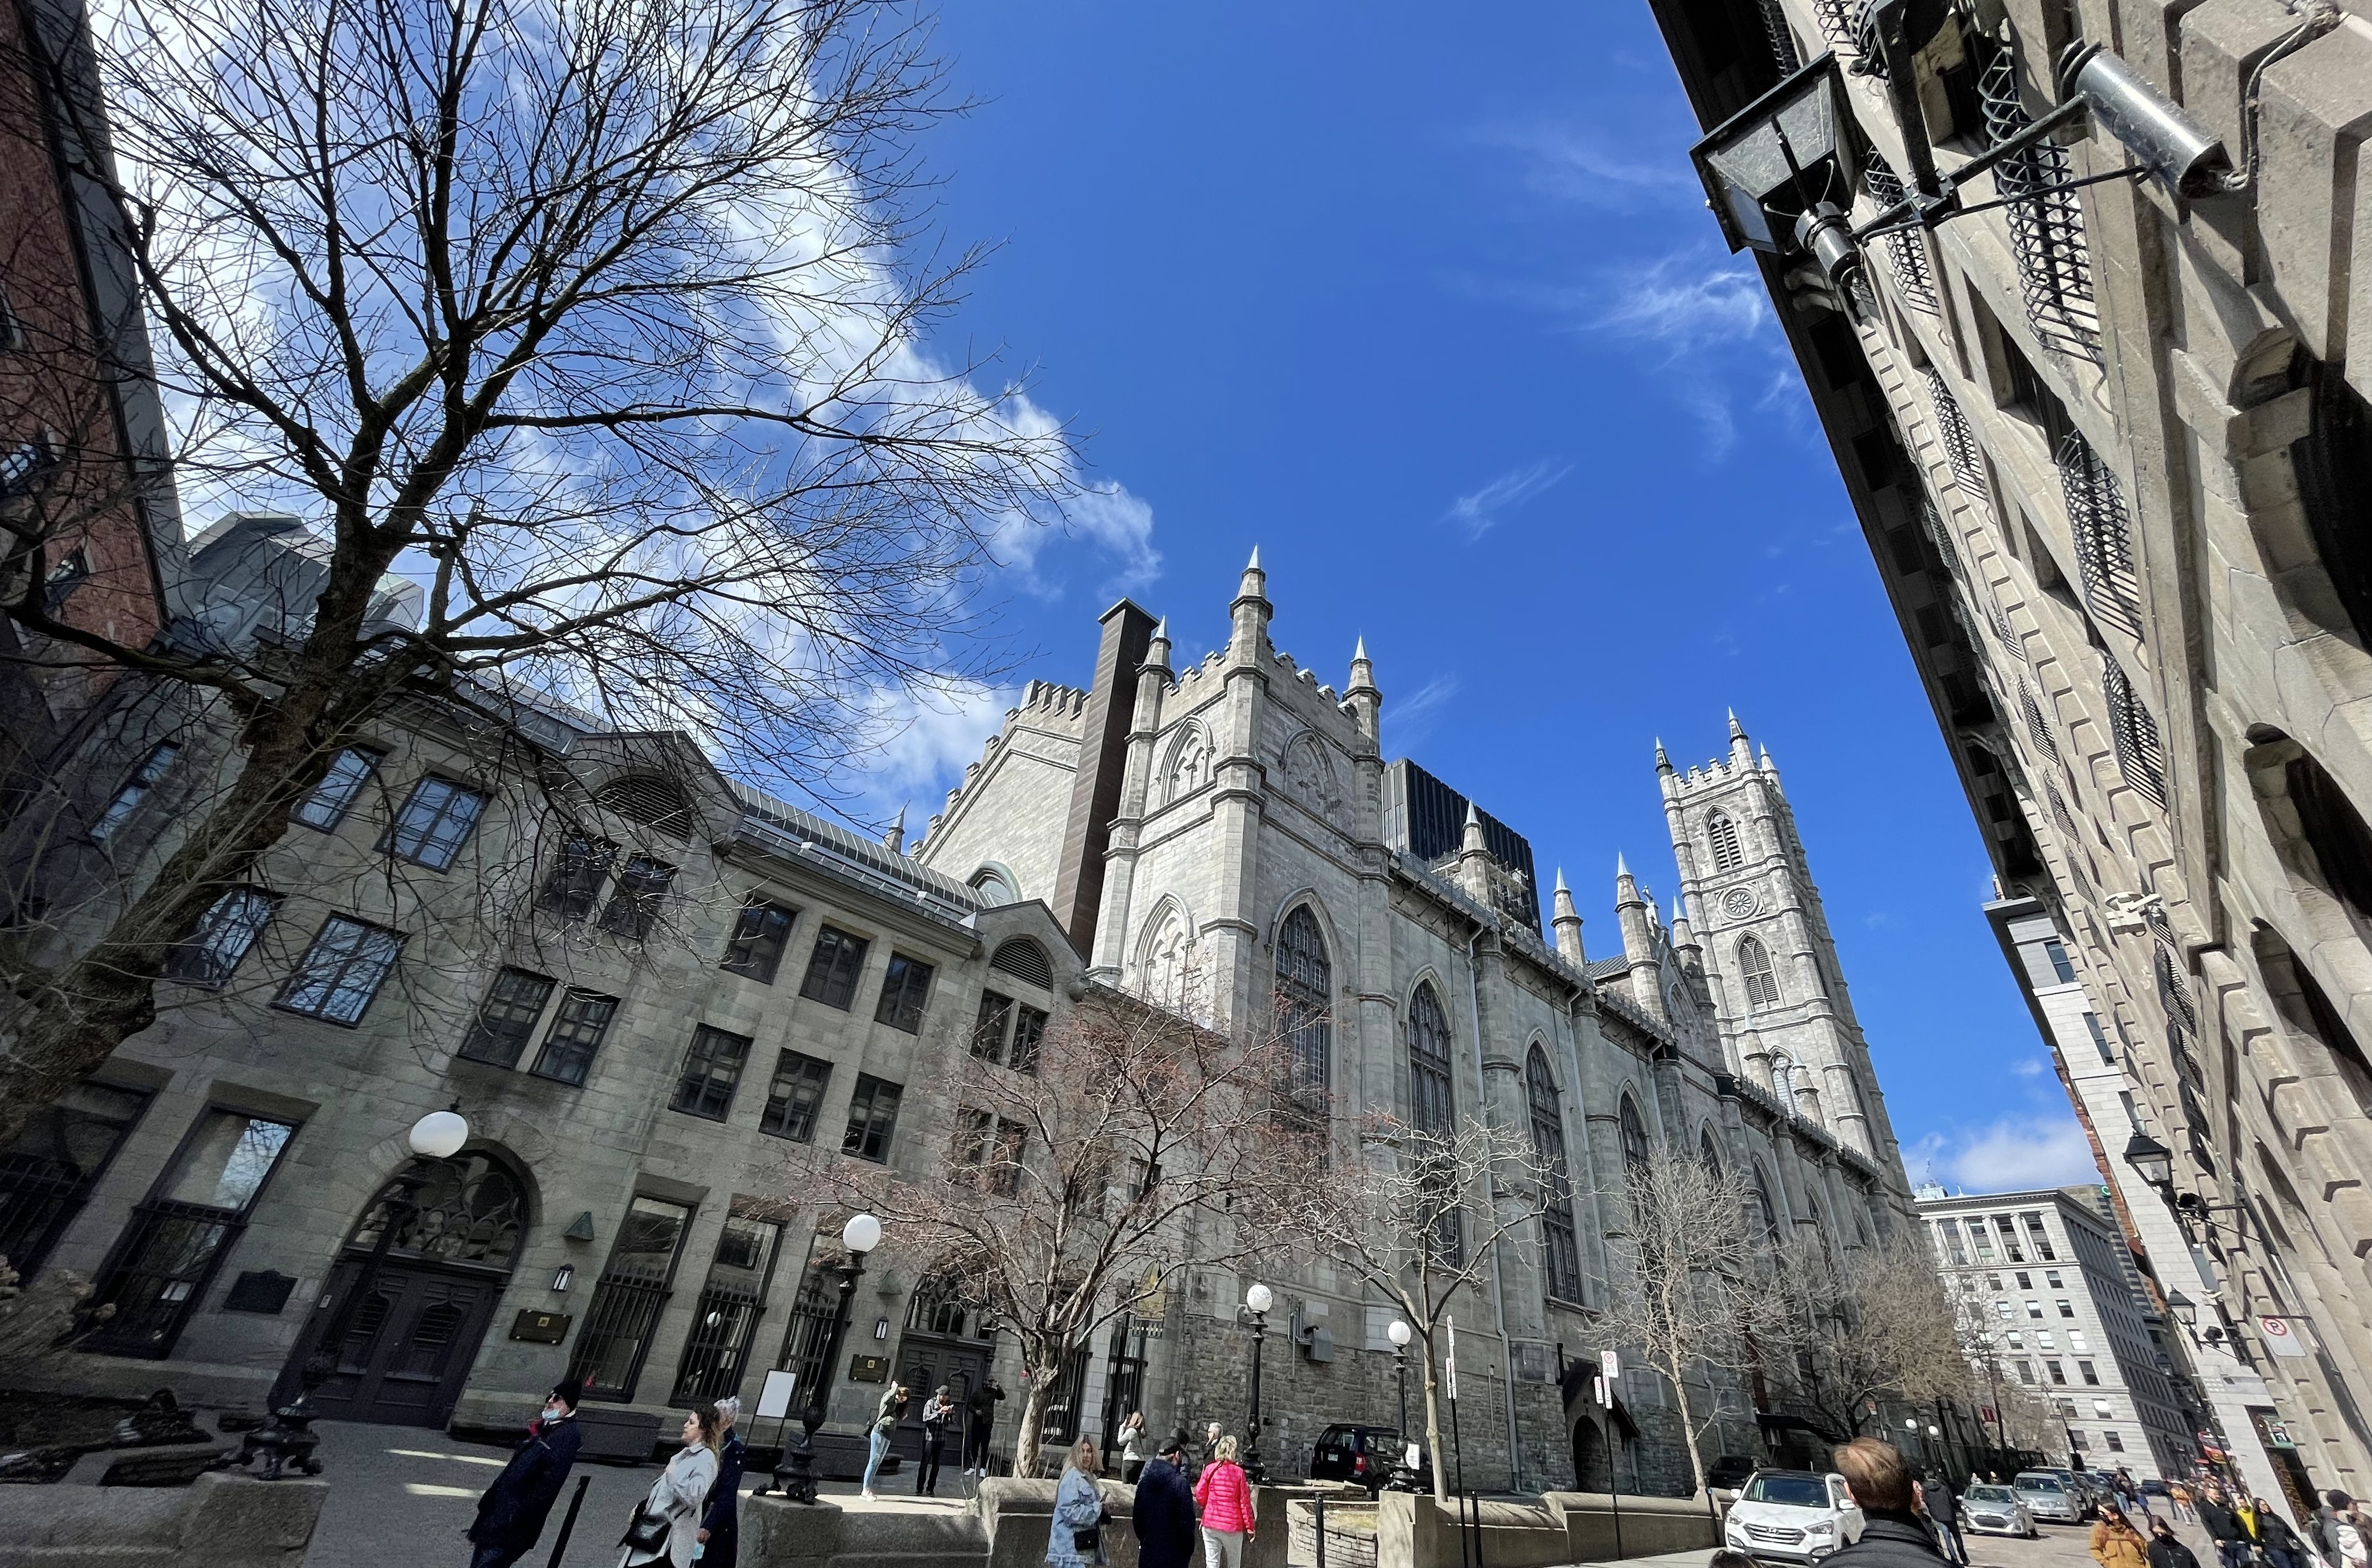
(1364, 1455)
(1792, 1516)
(2046, 1497)
(1987, 1509)
(1729, 1472)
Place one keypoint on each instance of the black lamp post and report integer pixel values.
(288, 1441)
(1257, 1301)
(1403, 1478)
(2153, 1162)
(795, 1475)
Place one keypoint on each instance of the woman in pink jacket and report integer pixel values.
(1227, 1505)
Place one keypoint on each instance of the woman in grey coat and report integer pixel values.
(680, 1493)
(1078, 1511)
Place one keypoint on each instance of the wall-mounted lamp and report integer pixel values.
(563, 1277)
(2153, 1162)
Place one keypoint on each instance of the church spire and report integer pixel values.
(896, 837)
(1156, 652)
(1663, 758)
(1249, 612)
(1568, 922)
(1740, 750)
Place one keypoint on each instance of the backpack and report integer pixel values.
(2350, 1538)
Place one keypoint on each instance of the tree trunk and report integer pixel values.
(1028, 1439)
(1433, 1430)
(1688, 1426)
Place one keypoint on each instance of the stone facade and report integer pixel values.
(647, 1057)
(2111, 446)
(1250, 796)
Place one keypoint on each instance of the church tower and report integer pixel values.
(1778, 991)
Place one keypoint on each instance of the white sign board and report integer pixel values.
(1610, 1369)
(1449, 1361)
(2279, 1337)
(775, 1399)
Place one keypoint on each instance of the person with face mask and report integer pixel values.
(511, 1514)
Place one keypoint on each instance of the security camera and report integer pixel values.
(2169, 143)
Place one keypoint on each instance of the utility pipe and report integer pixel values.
(1490, 1195)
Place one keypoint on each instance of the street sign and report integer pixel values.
(1449, 1361)
(1609, 1368)
(2279, 1337)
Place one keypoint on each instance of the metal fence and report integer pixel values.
(2046, 221)
(2104, 545)
(1906, 250)
(2133, 733)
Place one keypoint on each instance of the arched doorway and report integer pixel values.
(1590, 1473)
(410, 1344)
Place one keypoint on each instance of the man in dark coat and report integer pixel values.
(720, 1521)
(980, 1419)
(1935, 1492)
(2224, 1527)
(511, 1514)
(1893, 1535)
(1167, 1535)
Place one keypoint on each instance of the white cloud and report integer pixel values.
(1411, 718)
(1569, 164)
(2009, 1155)
(927, 740)
(1678, 300)
(1476, 513)
(2030, 1067)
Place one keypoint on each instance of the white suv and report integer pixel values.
(1792, 1516)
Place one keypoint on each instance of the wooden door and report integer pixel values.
(408, 1345)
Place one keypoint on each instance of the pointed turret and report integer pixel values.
(1473, 842)
(896, 837)
(1367, 703)
(1152, 681)
(1663, 758)
(1156, 652)
(1474, 858)
(1249, 612)
(1740, 750)
(1568, 922)
(1632, 913)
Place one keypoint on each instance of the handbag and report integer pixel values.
(1090, 1542)
(647, 1532)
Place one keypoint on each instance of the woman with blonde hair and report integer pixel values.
(666, 1523)
(1075, 1537)
(2115, 1543)
(1226, 1499)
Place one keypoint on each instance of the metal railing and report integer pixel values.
(2133, 733)
(1959, 442)
(2104, 545)
(2036, 726)
(1906, 249)
(2046, 220)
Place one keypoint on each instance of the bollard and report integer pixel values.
(1318, 1508)
(568, 1522)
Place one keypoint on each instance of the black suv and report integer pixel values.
(1363, 1455)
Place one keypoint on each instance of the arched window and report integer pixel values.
(1305, 986)
(1432, 1106)
(1562, 1251)
(2335, 833)
(1763, 1210)
(1433, 1110)
(1024, 960)
(1711, 1156)
(1723, 834)
(1634, 1135)
(655, 802)
(1190, 764)
(1754, 967)
(994, 887)
(1168, 968)
(469, 1209)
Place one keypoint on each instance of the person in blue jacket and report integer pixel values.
(511, 1514)
(720, 1522)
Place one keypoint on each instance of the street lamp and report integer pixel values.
(1257, 1301)
(1403, 1478)
(794, 1473)
(288, 1441)
(2152, 1161)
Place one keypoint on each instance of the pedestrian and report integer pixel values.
(2165, 1548)
(511, 1514)
(1164, 1521)
(1132, 1446)
(1076, 1537)
(886, 1417)
(1210, 1448)
(720, 1522)
(2276, 1538)
(1936, 1493)
(667, 1522)
(2341, 1530)
(2224, 1527)
(1892, 1533)
(2115, 1543)
(2178, 1494)
(938, 1411)
(980, 1419)
(1226, 1501)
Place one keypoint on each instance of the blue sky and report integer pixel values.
(1434, 315)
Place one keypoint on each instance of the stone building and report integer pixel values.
(653, 992)
(2107, 432)
(2051, 1271)
(1258, 843)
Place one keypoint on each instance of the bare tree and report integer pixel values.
(596, 323)
(1082, 1178)
(1419, 1221)
(1871, 1322)
(1691, 1280)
